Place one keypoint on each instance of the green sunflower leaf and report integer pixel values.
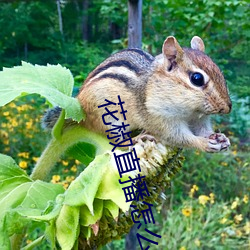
(53, 82)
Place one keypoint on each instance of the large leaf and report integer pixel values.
(50, 213)
(14, 198)
(53, 82)
(86, 218)
(22, 199)
(28, 200)
(112, 207)
(83, 152)
(67, 226)
(6, 186)
(111, 189)
(39, 194)
(10, 201)
(99, 180)
(83, 189)
(9, 168)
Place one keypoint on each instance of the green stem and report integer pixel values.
(57, 147)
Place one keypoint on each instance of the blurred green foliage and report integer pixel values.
(30, 32)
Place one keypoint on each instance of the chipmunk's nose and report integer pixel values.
(227, 108)
(230, 106)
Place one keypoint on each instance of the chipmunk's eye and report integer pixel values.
(197, 79)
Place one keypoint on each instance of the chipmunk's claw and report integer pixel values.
(218, 142)
(143, 137)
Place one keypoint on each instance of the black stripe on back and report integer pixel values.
(118, 77)
(142, 53)
(118, 63)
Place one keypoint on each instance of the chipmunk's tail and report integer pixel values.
(50, 117)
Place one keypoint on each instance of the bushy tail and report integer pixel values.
(50, 118)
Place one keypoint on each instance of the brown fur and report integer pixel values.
(159, 97)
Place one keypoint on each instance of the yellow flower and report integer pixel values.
(65, 163)
(238, 218)
(23, 107)
(245, 199)
(224, 164)
(6, 149)
(77, 162)
(197, 242)
(65, 185)
(4, 134)
(247, 227)
(192, 190)
(223, 220)
(6, 141)
(183, 248)
(55, 178)
(211, 195)
(235, 203)
(6, 113)
(70, 178)
(73, 168)
(187, 211)
(223, 235)
(203, 199)
(35, 159)
(238, 159)
(14, 123)
(234, 152)
(12, 105)
(29, 124)
(24, 154)
(23, 164)
(238, 233)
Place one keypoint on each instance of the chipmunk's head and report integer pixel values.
(197, 75)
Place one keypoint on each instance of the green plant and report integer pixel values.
(205, 223)
(209, 172)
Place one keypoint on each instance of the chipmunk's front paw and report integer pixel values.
(143, 137)
(218, 142)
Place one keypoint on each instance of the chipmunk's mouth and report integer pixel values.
(224, 108)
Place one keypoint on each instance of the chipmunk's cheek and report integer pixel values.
(208, 109)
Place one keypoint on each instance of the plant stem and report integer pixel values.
(57, 147)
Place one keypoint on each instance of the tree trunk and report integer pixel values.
(59, 16)
(134, 41)
(135, 23)
(85, 20)
(131, 240)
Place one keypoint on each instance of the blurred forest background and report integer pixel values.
(208, 204)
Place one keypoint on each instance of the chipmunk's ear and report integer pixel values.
(197, 43)
(171, 49)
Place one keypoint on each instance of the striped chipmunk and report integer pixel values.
(169, 97)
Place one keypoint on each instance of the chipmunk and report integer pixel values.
(170, 96)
